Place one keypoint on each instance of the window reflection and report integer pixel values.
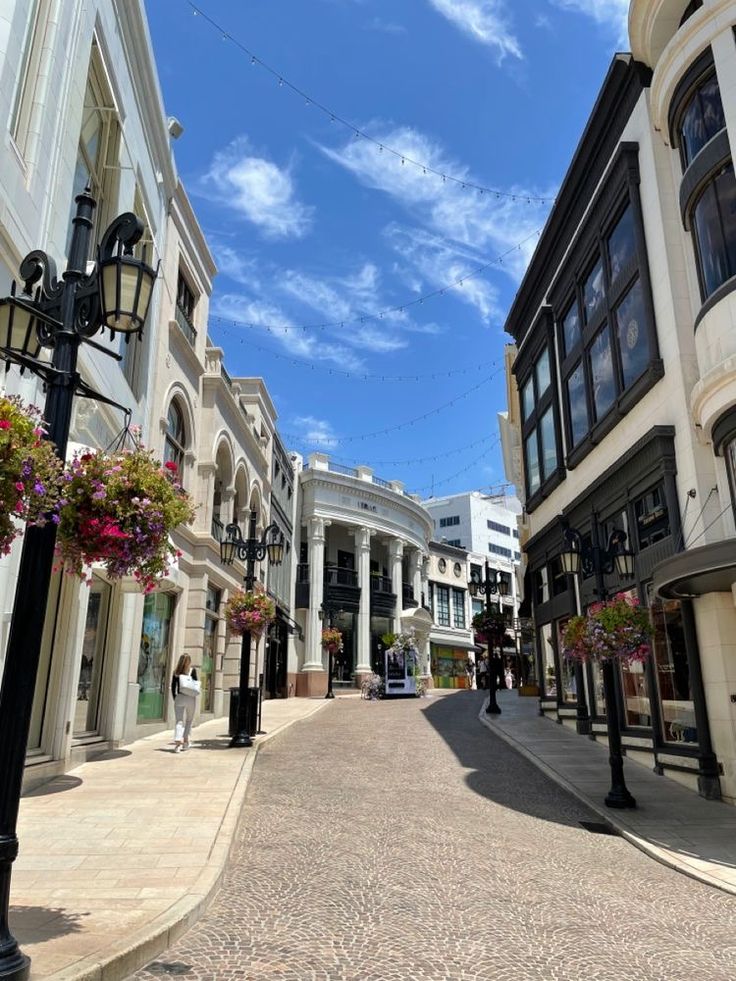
(571, 328)
(547, 656)
(543, 376)
(577, 404)
(652, 517)
(621, 244)
(672, 670)
(729, 455)
(632, 336)
(593, 291)
(531, 453)
(527, 398)
(702, 119)
(549, 444)
(601, 367)
(714, 228)
(568, 683)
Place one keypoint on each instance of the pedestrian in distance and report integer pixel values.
(470, 671)
(185, 688)
(483, 672)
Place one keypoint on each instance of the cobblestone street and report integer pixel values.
(402, 840)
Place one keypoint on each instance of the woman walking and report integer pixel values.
(184, 689)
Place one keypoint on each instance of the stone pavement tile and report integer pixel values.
(671, 823)
(401, 840)
(88, 887)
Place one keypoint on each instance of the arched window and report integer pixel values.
(714, 230)
(175, 441)
(701, 118)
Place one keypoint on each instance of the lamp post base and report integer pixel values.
(492, 708)
(15, 967)
(620, 799)
(241, 740)
(330, 694)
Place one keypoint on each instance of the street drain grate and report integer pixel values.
(169, 967)
(597, 828)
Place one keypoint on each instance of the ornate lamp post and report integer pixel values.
(59, 316)
(491, 586)
(326, 612)
(600, 561)
(249, 550)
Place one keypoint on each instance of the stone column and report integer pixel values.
(363, 555)
(313, 653)
(415, 574)
(426, 651)
(395, 557)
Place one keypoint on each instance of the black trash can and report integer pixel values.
(251, 711)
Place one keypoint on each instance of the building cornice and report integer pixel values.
(624, 83)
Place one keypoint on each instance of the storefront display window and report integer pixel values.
(672, 671)
(448, 666)
(637, 707)
(599, 697)
(567, 669)
(209, 648)
(547, 657)
(89, 684)
(153, 657)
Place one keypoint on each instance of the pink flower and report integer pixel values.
(19, 486)
(5, 424)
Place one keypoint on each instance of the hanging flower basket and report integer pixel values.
(332, 640)
(119, 509)
(490, 627)
(250, 611)
(30, 471)
(616, 630)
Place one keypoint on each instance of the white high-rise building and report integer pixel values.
(485, 524)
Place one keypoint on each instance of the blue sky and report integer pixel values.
(311, 224)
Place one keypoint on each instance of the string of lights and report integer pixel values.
(458, 473)
(362, 375)
(363, 318)
(329, 440)
(356, 132)
(354, 461)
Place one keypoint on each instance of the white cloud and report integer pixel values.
(609, 13)
(270, 319)
(456, 229)
(484, 21)
(317, 431)
(386, 26)
(235, 266)
(258, 190)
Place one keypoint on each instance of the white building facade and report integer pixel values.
(362, 566)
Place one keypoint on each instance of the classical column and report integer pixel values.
(316, 536)
(424, 591)
(415, 574)
(395, 557)
(363, 555)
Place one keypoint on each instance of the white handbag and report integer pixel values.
(189, 685)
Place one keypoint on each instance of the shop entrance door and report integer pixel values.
(343, 663)
(89, 683)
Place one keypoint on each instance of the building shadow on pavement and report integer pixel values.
(496, 771)
(56, 785)
(37, 924)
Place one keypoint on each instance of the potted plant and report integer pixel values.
(332, 640)
(618, 629)
(30, 471)
(250, 611)
(119, 509)
(490, 626)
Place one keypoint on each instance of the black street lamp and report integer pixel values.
(490, 586)
(249, 550)
(59, 316)
(595, 559)
(327, 612)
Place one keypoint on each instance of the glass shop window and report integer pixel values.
(547, 655)
(652, 517)
(672, 671)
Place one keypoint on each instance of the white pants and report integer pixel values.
(184, 707)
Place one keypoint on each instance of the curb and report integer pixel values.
(143, 945)
(661, 855)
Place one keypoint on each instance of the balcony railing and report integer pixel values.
(218, 529)
(340, 577)
(347, 471)
(226, 376)
(381, 482)
(407, 595)
(187, 327)
(381, 584)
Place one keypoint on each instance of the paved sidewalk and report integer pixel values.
(671, 823)
(120, 856)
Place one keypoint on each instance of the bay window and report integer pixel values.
(539, 427)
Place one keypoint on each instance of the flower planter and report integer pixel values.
(250, 612)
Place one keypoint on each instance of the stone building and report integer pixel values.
(80, 104)
(624, 372)
(362, 546)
